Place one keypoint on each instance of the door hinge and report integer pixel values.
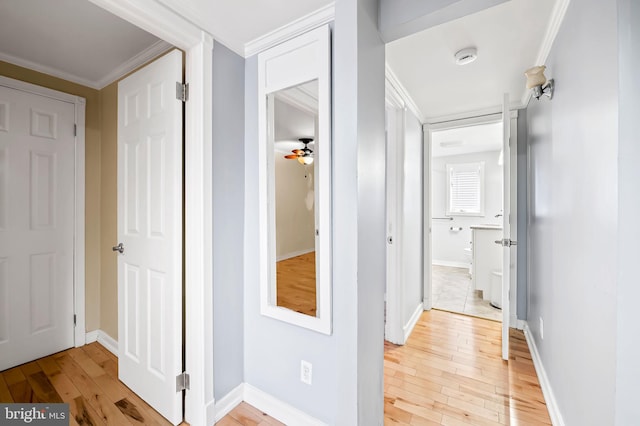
(75, 130)
(75, 319)
(182, 91)
(182, 382)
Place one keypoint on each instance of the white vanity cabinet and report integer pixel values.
(487, 256)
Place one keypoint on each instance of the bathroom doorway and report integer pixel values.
(466, 165)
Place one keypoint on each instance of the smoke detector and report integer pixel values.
(466, 56)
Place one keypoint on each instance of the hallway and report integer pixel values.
(449, 372)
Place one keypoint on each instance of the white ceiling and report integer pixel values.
(79, 41)
(238, 22)
(73, 39)
(509, 38)
(467, 140)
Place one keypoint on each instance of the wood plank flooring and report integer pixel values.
(87, 379)
(296, 283)
(449, 373)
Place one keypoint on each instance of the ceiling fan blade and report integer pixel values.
(297, 151)
(291, 156)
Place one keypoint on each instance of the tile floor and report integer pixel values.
(452, 291)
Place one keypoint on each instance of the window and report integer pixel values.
(465, 189)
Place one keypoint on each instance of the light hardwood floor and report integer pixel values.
(296, 281)
(87, 379)
(449, 373)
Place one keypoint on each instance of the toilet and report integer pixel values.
(496, 289)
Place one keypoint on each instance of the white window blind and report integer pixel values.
(465, 189)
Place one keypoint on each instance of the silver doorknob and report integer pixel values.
(505, 242)
(119, 248)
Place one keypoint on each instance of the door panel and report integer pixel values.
(506, 230)
(150, 229)
(37, 149)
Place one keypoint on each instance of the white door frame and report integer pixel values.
(466, 122)
(395, 123)
(162, 22)
(79, 334)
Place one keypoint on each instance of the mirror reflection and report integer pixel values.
(294, 132)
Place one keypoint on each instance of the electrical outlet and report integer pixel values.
(541, 329)
(306, 372)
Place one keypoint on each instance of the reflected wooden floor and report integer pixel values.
(87, 379)
(296, 278)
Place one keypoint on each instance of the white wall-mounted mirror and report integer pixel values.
(295, 181)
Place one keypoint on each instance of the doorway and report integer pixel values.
(486, 265)
(466, 166)
(42, 244)
(197, 45)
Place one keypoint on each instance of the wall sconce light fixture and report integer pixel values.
(537, 82)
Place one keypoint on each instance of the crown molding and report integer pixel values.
(392, 79)
(120, 71)
(54, 72)
(152, 52)
(555, 21)
(484, 112)
(308, 22)
(157, 19)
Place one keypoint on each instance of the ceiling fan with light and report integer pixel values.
(304, 155)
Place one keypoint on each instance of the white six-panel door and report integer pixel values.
(150, 230)
(37, 148)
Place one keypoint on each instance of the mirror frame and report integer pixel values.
(296, 61)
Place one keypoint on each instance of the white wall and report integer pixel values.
(448, 246)
(628, 333)
(573, 215)
(412, 219)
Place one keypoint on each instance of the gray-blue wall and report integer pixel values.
(228, 225)
(523, 288)
(274, 349)
(573, 145)
(628, 327)
(347, 365)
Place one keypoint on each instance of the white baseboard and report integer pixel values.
(210, 412)
(104, 339)
(408, 327)
(229, 402)
(517, 323)
(91, 336)
(278, 409)
(452, 263)
(549, 397)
